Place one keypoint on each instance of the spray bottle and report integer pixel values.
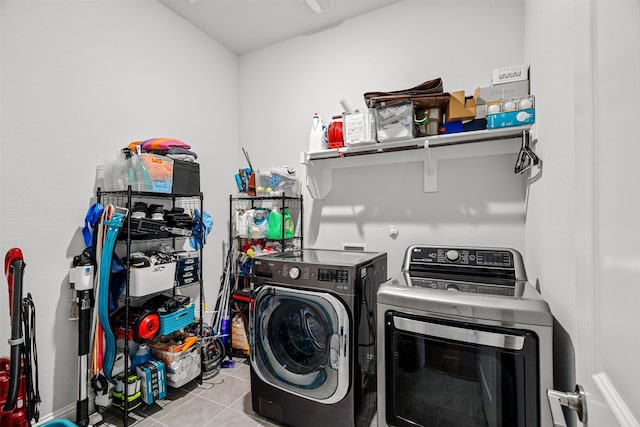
(315, 136)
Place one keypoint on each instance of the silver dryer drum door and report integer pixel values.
(299, 342)
(445, 372)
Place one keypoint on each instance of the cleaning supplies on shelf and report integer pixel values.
(274, 228)
(315, 136)
(257, 223)
(288, 224)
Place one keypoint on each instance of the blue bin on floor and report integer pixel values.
(59, 423)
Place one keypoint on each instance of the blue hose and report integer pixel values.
(113, 229)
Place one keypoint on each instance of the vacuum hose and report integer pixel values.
(113, 228)
(16, 270)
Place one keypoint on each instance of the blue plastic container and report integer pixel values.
(177, 320)
(59, 423)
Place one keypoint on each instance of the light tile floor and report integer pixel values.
(224, 400)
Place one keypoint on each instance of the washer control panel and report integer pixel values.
(333, 275)
(459, 256)
(335, 278)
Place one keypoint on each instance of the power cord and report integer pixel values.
(31, 357)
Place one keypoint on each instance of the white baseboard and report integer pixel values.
(68, 412)
(619, 408)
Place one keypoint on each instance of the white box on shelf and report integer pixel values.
(395, 122)
(359, 128)
(510, 74)
(149, 280)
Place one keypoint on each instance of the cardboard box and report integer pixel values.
(152, 377)
(511, 118)
(460, 107)
(510, 74)
(503, 91)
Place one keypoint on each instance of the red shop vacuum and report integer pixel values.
(19, 397)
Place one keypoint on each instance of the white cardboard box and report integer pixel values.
(514, 73)
(503, 91)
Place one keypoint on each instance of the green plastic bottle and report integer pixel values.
(288, 224)
(274, 227)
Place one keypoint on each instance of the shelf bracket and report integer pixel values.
(318, 183)
(430, 170)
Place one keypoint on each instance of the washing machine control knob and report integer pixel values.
(452, 255)
(294, 272)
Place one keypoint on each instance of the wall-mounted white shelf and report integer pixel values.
(429, 149)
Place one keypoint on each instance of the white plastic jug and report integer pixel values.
(315, 136)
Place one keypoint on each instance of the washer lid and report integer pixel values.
(520, 303)
(324, 256)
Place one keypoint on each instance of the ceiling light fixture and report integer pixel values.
(313, 7)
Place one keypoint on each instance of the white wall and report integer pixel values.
(80, 80)
(581, 224)
(480, 202)
(551, 215)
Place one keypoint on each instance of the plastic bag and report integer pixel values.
(239, 339)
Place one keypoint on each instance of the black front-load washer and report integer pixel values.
(313, 336)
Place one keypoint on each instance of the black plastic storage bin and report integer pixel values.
(186, 177)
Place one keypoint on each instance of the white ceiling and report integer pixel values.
(246, 25)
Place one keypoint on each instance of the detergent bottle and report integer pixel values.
(315, 136)
(288, 224)
(141, 355)
(274, 227)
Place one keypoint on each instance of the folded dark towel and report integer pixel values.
(426, 95)
(172, 150)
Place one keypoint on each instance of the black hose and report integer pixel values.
(31, 358)
(16, 335)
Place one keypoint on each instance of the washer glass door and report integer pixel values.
(299, 342)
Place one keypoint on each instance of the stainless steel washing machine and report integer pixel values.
(463, 340)
(313, 337)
